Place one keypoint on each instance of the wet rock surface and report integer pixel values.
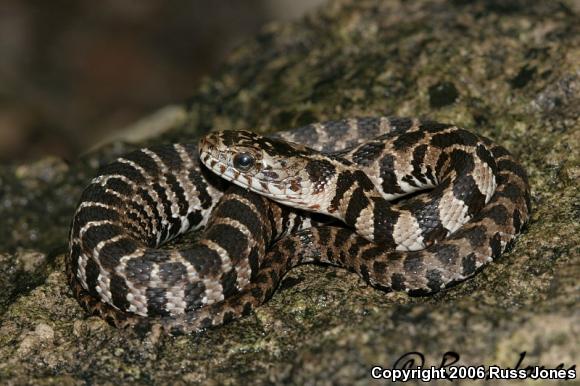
(510, 72)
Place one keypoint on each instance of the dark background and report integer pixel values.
(73, 71)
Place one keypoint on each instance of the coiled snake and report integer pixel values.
(350, 170)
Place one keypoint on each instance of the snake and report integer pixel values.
(408, 204)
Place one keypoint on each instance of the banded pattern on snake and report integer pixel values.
(350, 169)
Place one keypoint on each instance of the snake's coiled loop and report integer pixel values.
(477, 203)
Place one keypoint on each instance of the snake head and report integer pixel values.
(270, 167)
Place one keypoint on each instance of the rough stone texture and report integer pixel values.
(508, 70)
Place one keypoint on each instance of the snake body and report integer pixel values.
(350, 170)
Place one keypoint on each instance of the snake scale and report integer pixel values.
(425, 205)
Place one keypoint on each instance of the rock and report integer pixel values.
(507, 70)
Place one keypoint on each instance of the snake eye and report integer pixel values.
(243, 161)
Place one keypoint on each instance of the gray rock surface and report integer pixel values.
(508, 70)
